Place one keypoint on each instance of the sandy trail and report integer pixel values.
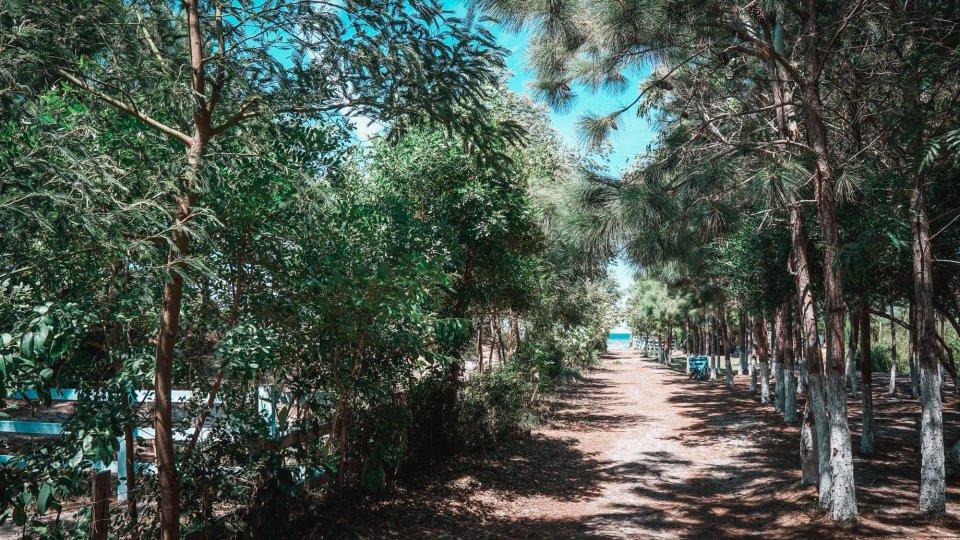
(626, 424)
(661, 472)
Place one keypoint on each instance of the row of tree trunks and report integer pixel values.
(491, 329)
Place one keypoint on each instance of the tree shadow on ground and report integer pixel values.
(574, 407)
(747, 487)
(768, 492)
(453, 501)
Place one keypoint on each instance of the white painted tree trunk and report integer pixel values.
(809, 457)
(753, 375)
(893, 353)
(780, 397)
(743, 344)
(764, 381)
(843, 498)
(850, 360)
(912, 354)
(850, 370)
(763, 357)
(822, 439)
(788, 385)
(893, 378)
(914, 376)
(790, 398)
(932, 466)
(714, 359)
(725, 346)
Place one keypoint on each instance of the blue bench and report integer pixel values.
(698, 367)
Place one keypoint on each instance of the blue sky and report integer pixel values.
(633, 134)
(630, 140)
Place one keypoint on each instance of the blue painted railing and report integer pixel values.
(267, 405)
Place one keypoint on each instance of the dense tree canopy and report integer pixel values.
(261, 310)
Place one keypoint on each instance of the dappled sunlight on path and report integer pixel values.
(637, 450)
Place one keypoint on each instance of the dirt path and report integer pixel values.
(638, 451)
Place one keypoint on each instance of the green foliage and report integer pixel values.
(348, 277)
(497, 405)
(652, 307)
(314, 266)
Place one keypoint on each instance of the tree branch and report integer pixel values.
(887, 316)
(241, 115)
(127, 108)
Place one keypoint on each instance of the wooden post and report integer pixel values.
(100, 520)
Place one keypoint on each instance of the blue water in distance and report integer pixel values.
(618, 341)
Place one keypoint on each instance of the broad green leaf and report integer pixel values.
(41, 337)
(43, 498)
(26, 344)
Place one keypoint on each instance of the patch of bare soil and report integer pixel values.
(637, 450)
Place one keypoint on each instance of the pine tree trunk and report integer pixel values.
(668, 347)
(779, 357)
(714, 359)
(850, 363)
(843, 500)
(813, 361)
(799, 361)
(743, 343)
(893, 353)
(809, 459)
(725, 345)
(763, 357)
(696, 339)
(704, 340)
(754, 375)
(866, 369)
(912, 359)
(932, 465)
(785, 351)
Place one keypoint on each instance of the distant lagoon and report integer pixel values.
(618, 341)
